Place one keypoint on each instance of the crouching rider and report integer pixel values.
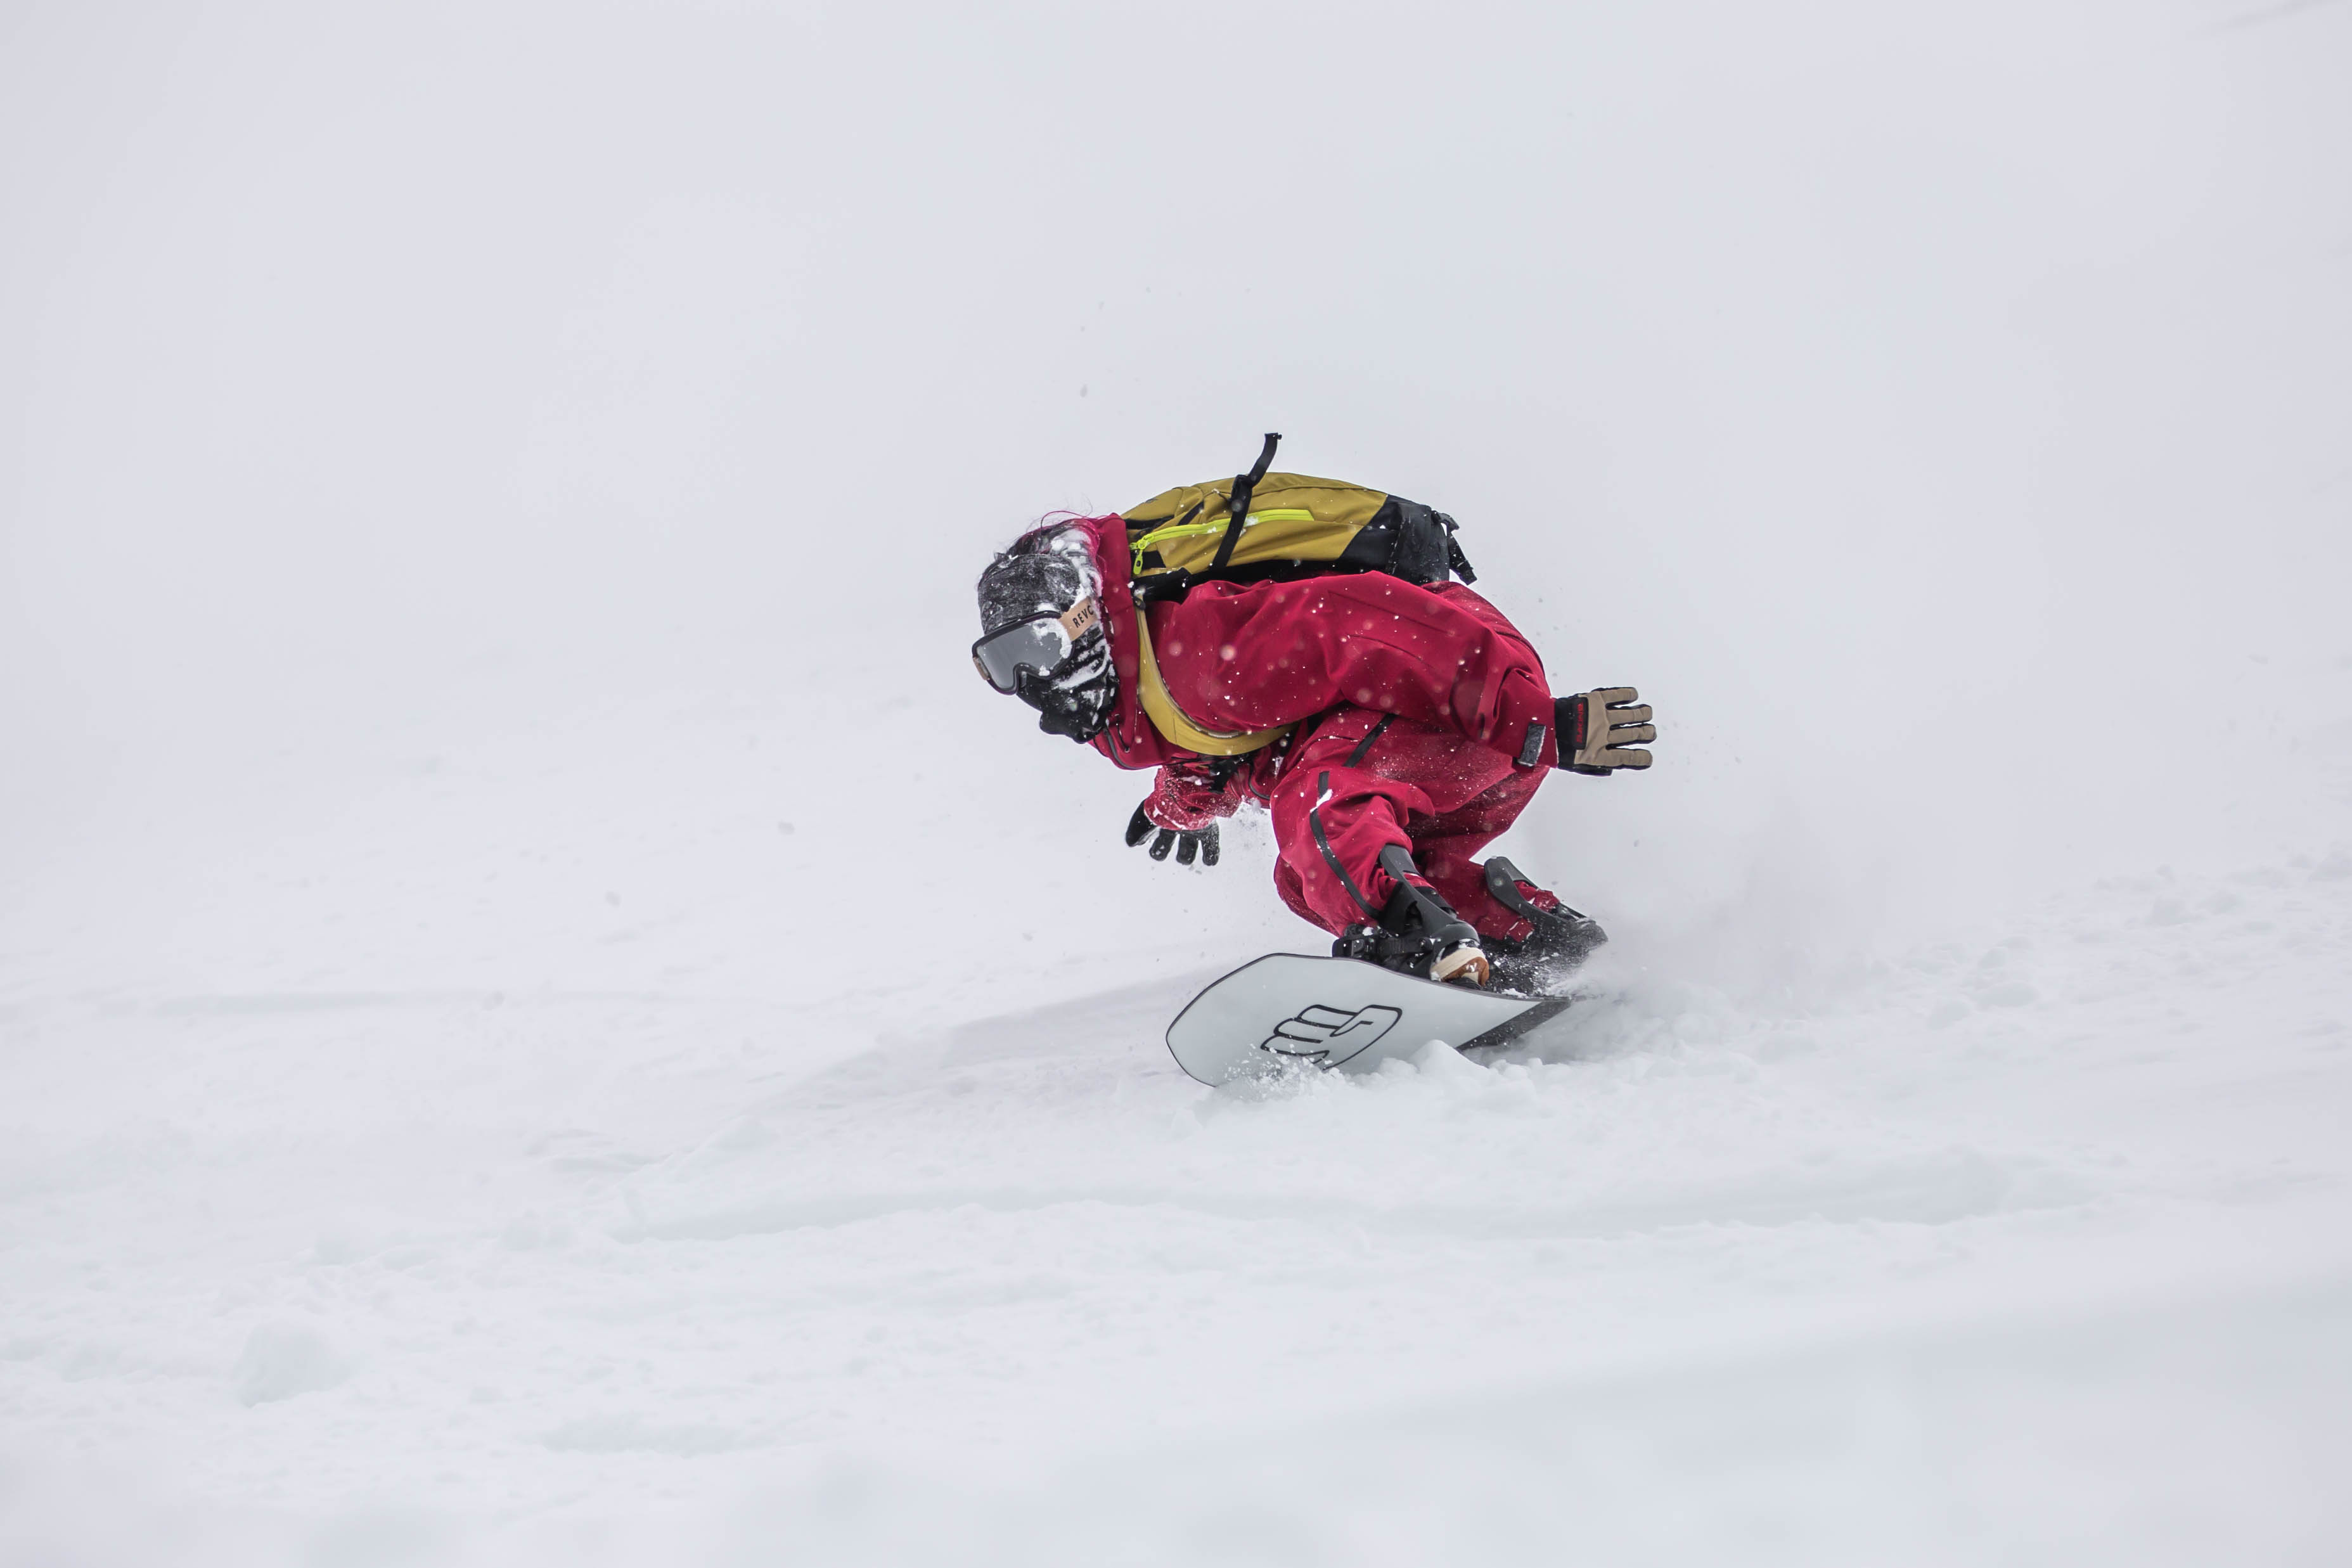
(1301, 645)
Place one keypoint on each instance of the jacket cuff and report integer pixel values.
(1524, 727)
(1184, 807)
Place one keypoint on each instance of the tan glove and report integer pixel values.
(1598, 729)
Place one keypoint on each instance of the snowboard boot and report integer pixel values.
(1418, 932)
(1539, 961)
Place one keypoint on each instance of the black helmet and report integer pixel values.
(1038, 582)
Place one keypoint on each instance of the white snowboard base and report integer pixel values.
(1339, 1013)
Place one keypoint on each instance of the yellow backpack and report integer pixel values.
(1260, 527)
(1263, 527)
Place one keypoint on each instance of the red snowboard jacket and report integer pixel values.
(1257, 657)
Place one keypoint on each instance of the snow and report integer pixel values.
(2029, 1240)
(546, 1018)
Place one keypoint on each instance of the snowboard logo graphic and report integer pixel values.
(1333, 1033)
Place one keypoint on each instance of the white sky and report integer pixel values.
(1940, 410)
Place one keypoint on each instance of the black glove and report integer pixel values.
(1187, 844)
(1598, 729)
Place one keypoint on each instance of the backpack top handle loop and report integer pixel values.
(1245, 485)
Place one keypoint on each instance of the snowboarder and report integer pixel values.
(1314, 657)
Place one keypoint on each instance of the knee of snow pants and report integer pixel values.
(1366, 780)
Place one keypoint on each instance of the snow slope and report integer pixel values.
(2031, 1243)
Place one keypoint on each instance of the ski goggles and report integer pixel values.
(1040, 643)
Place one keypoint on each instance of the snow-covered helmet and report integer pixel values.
(1040, 593)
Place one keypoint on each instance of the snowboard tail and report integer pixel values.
(1341, 1014)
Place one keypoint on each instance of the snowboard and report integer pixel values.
(1339, 1013)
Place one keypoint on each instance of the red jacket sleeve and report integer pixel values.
(1274, 653)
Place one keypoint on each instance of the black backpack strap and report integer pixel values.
(1245, 485)
(1454, 556)
(1162, 588)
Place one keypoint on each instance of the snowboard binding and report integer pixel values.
(1418, 934)
(1562, 940)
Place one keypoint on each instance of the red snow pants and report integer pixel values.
(1365, 780)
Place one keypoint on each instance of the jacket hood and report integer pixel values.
(1131, 741)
